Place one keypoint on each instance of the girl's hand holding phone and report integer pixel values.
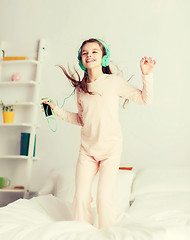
(50, 103)
(47, 107)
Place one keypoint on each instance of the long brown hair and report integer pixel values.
(82, 84)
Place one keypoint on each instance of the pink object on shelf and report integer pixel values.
(16, 77)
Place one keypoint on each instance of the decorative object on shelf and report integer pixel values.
(24, 144)
(13, 188)
(4, 182)
(13, 58)
(8, 113)
(16, 77)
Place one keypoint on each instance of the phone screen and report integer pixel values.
(47, 110)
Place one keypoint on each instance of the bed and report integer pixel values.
(153, 204)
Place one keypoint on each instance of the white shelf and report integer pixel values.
(20, 103)
(16, 157)
(11, 83)
(24, 104)
(16, 125)
(12, 190)
(20, 61)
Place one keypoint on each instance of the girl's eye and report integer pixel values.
(84, 53)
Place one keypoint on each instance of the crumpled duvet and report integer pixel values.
(49, 218)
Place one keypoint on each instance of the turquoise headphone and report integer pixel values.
(105, 58)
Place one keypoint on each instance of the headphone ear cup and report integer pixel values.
(105, 60)
(81, 65)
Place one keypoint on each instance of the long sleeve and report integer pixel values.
(125, 90)
(71, 117)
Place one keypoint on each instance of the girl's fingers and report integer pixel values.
(142, 60)
(48, 103)
(148, 60)
(153, 61)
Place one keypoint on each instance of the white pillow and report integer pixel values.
(50, 184)
(64, 187)
(160, 204)
(164, 178)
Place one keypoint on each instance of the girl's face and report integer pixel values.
(91, 54)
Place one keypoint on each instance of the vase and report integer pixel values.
(8, 117)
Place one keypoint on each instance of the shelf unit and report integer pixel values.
(24, 105)
(15, 157)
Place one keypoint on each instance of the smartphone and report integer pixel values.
(47, 109)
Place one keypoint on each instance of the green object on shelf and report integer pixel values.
(34, 152)
(24, 144)
(4, 182)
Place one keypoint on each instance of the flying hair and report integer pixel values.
(82, 83)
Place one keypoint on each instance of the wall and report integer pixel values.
(155, 134)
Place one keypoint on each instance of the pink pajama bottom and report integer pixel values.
(86, 170)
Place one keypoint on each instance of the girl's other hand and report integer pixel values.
(147, 65)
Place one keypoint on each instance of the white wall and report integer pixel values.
(155, 134)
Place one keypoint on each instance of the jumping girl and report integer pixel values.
(98, 96)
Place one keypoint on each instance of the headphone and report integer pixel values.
(105, 58)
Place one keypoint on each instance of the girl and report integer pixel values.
(98, 96)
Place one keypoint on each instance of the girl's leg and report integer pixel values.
(108, 170)
(87, 168)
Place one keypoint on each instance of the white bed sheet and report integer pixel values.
(49, 218)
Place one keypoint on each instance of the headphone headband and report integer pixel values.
(105, 45)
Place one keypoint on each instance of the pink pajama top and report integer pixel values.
(98, 114)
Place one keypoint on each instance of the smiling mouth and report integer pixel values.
(90, 60)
